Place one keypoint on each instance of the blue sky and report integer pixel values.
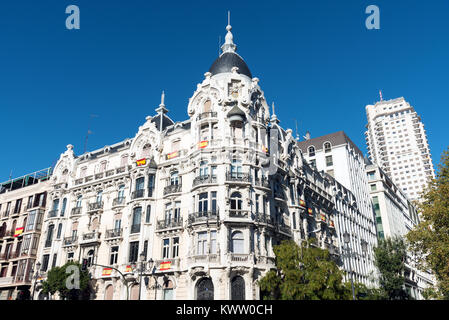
(315, 59)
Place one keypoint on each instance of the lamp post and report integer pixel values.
(142, 266)
(346, 239)
(35, 276)
(150, 265)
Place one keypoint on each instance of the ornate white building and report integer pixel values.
(204, 199)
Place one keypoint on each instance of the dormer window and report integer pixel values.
(311, 151)
(327, 147)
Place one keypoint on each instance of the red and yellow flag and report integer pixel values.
(128, 269)
(323, 217)
(302, 203)
(172, 155)
(166, 265)
(203, 144)
(106, 271)
(310, 211)
(141, 162)
(331, 223)
(18, 232)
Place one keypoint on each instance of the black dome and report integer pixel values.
(226, 61)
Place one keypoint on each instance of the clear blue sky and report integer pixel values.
(315, 59)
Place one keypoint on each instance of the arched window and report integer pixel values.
(168, 290)
(109, 292)
(137, 215)
(236, 201)
(311, 151)
(237, 288)
(3, 230)
(237, 242)
(58, 234)
(13, 227)
(204, 289)
(327, 147)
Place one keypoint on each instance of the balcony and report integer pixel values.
(76, 211)
(240, 257)
(205, 179)
(113, 233)
(118, 202)
(135, 228)
(137, 194)
(263, 218)
(89, 238)
(53, 213)
(174, 223)
(95, 207)
(173, 188)
(5, 256)
(234, 213)
(238, 177)
(70, 241)
(203, 217)
(206, 115)
(6, 281)
(262, 182)
(204, 258)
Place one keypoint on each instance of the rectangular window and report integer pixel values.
(70, 256)
(202, 202)
(18, 206)
(213, 242)
(329, 161)
(175, 247)
(165, 248)
(113, 255)
(202, 243)
(148, 214)
(373, 187)
(45, 259)
(145, 249)
(213, 196)
(133, 251)
(53, 264)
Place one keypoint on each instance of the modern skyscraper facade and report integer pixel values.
(396, 140)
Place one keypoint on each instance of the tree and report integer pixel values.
(303, 273)
(429, 240)
(389, 258)
(57, 282)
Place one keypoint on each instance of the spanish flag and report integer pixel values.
(203, 144)
(106, 271)
(166, 265)
(141, 162)
(323, 217)
(310, 211)
(172, 155)
(18, 232)
(128, 269)
(302, 203)
(331, 223)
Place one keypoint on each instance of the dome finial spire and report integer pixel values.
(229, 45)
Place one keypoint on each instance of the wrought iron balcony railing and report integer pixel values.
(96, 206)
(235, 213)
(173, 188)
(113, 233)
(204, 180)
(205, 115)
(53, 213)
(169, 223)
(238, 177)
(76, 211)
(137, 194)
(262, 182)
(203, 216)
(68, 241)
(119, 201)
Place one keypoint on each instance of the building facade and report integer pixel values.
(396, 140)
(337, 156)
(396, 216)
(22, 206)
(204, 199)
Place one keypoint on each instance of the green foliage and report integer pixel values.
(303, 273)
(429, 240)
(389, 258)
(57, 282)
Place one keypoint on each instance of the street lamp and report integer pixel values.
(346, 239)
(142, 264)
(35, 276)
